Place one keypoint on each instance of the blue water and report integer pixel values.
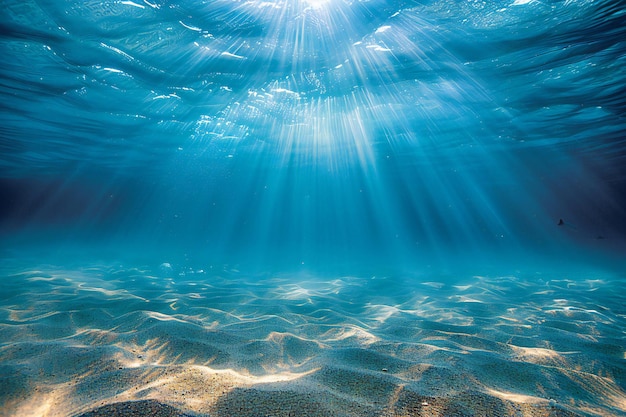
(413, 140)
(273, 134)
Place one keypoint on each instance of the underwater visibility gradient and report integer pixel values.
(312, 208)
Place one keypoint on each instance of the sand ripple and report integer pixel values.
(126, 341)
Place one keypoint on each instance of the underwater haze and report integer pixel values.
(288, 195)
(274, 133)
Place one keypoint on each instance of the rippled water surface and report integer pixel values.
(284, 196)
(315, 131)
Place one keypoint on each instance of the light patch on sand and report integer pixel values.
(435, 348)
(198, 388)
(517, 325)
(619, 401)
(49, 401)
(591, 410)
(132, 364)
(381, 313)
(343, 333)
(531, 354)
(298, 294)
(110, 293)
(36, 406)
(278, 377)
(252, 318)
(244, 379)
(21, 315)
(518, 398)
(97, 335)
(163, 317)
(514, 320)
(279, 337)
(307, 290)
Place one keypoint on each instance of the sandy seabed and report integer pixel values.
(120, 341)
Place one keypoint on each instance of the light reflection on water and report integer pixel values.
(319, 133)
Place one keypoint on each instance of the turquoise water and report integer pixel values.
(445, 149)
(276, 134)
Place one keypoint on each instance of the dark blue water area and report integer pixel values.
(330, 136)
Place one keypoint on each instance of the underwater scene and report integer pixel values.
(312, 208)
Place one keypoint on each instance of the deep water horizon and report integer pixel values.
(312, 207)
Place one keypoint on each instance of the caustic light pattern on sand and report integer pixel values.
(229, 344)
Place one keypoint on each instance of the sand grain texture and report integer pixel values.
(125, 341)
